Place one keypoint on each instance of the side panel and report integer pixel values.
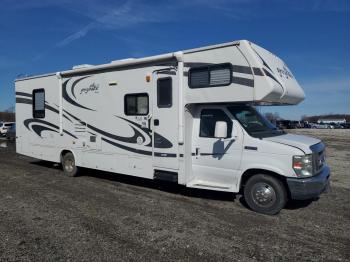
(109, 138)
(38, 137)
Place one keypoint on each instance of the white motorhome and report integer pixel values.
(186, 117)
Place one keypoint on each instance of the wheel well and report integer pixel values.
(251, 172)
(63, 153)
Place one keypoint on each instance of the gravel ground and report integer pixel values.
(45, 216)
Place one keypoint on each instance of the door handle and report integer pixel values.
(197, 151)
(156, 122)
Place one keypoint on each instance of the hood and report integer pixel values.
(299, 141)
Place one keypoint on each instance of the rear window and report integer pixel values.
(39, 103)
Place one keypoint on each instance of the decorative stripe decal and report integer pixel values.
(258, 71)
(75, 83)
(243, 81)
(132, 139)
(263, 61)
(70, 100)
(39, 128)
(20, 100)
(134, 150)
(159, 140)
(242, 69)
(271, 76)
(23, 94)
(196, 64)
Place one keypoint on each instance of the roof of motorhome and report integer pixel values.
(129, 62)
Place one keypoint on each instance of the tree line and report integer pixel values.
(7, 117)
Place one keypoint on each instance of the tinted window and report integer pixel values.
(208, 76)
(164, 92)
(209, 117)
(39, 103)
(253, 122)
(136, 104)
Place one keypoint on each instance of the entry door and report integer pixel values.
(165, 122)
(215, 162)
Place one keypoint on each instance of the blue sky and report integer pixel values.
(312, 37)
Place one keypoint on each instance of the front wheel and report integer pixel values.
(265, 194)
(68, 164)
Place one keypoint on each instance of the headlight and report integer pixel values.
(302, 165)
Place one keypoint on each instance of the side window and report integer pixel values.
(39, 103)
(210, 76)
(208, 119)
(164, 92)
(136, 104)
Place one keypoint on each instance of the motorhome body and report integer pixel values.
(184, 117)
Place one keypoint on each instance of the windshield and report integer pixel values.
(253, 122)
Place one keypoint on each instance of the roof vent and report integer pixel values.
(81, 66)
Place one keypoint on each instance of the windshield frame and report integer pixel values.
(271, 131)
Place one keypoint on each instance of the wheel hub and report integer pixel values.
(69, 165)
(264, 195)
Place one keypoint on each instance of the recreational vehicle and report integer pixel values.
(187, 117)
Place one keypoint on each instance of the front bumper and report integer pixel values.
(311, 187)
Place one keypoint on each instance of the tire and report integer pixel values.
(68, 165)
(265, 194)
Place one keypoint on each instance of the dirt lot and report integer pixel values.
(45, 216)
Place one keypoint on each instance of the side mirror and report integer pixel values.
(220, 129)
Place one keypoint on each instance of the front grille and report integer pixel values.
(318, 152)
(319, 159)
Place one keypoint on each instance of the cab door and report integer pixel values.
(165, 122)
(215, 162)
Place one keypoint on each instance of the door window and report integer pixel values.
(209, 117)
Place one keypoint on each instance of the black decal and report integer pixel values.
(263, 61)
(51, 108)
(132, 139)
(76, 82)
(196, 64)
(258, 71)
(20, 100)
(23, 94)
(243, 81)
(70, 134)
(271, 76)
(38, 129)
(69, 100)
(242, 69)
(134, 150)
(161, 142)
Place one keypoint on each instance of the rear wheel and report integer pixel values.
(265, 194)
(68, 164)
